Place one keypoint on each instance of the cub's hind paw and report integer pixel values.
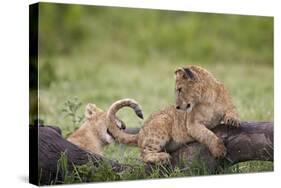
(156, 158)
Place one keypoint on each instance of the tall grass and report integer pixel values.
(140, 36)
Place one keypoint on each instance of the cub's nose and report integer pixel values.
(177, 107)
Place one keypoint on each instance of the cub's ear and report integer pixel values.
(180, 73)
(185, 73)
(91, 110)
(189, 73)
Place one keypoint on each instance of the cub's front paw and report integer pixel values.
(231, 119)
(218, 150)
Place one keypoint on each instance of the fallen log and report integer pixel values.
(251, 141)
(46, 148)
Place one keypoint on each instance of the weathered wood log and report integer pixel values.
(50, 146)
(251, 141)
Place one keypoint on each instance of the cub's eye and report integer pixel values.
(179, 89)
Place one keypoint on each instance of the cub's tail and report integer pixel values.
(118, 134)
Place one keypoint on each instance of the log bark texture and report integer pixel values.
(251, 141)
(51, 145)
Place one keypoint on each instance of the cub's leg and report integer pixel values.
(152, 150)
(231, 118)
(205, 136)
(153, 138)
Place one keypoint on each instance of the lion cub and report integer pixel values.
(93, 135)
(202, 102)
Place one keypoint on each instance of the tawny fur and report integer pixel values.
(92, 134)
(202, 102)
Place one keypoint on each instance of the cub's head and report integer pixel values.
(187, 89)
(96, 118)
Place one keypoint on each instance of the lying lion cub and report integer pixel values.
(202, 102)
(93, 135)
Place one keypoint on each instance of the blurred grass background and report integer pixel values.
(102, 54)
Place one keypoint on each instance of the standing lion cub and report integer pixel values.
(202, 102)
(93, 135)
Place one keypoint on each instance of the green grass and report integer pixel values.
(250, 85)
(141, 35)
(100, 55)
(152, 85)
